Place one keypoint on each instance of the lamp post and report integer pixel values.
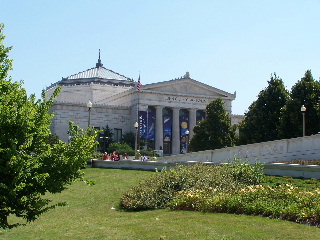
(303, 110)
(89, 106)
(136, 125)
(187, 140)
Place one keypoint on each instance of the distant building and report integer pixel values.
(166, 111)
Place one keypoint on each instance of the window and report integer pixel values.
(117, 134)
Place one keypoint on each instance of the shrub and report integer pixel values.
(97, 155)
(245, 172)
(283, 202)
(159, 190)
(121, 148)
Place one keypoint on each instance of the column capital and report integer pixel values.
(158, 107)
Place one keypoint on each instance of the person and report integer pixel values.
(105, 156)
(125, 156)
(154, 157)
(113, 156)
(144, 158)
(117, 157)
(138, 155)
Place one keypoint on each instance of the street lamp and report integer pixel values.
(89, 106)
(187, 140)
(303, 110)
(136, 125)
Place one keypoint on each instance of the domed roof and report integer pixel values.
(98, 73)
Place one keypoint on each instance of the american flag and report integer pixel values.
(139, 84)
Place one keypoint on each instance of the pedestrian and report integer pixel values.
(105, 156)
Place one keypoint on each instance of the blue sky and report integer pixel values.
(231, 45)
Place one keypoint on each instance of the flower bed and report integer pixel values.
(238, 187)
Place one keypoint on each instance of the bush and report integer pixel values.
(121, 148)
(97, 155)
(159, 190)
(284, 202)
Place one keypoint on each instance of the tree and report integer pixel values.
(215, 131)
(261, 123)
(30, 165)
(305, 92)
(129, 138)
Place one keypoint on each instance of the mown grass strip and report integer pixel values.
(90, 215)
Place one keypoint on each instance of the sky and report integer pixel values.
(231, 45)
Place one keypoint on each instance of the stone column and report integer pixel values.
(159, 128)
(175, 132)
(192, 121)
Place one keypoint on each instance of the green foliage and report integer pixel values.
(158, 191)
(284, 201)
(262, 121)
(148, 152)
(305, 92)
(52, 139)
(121, 148)
(97, 155)
(308, 185)
(215, 131)
(129, 138)
(244, 172)
(5, 63)
(90, 215)
(31, 164)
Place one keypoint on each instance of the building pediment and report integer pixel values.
(186, 86)
(173, 91)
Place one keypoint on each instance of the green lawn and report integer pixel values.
(90, 215)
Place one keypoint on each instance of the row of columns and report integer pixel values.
(175, 127)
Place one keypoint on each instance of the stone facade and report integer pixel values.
(166, 111)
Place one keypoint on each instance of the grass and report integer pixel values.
(301, 161)
(304, 184)
(90, 215)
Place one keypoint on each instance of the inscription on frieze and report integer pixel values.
(185, 99)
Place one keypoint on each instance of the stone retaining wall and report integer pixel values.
(307, 148)
(278, 169)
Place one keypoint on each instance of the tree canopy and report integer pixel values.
(262, 121)
(30, 164)
(305, 92)
(215, 131)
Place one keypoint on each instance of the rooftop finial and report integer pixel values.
(99, 64)
(187, 75)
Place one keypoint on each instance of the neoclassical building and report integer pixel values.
(166, 111)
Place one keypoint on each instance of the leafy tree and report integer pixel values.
(30, 165)
(261, 122)
(215, 131)
(305, 92)
(52, 139)
(129, 138)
